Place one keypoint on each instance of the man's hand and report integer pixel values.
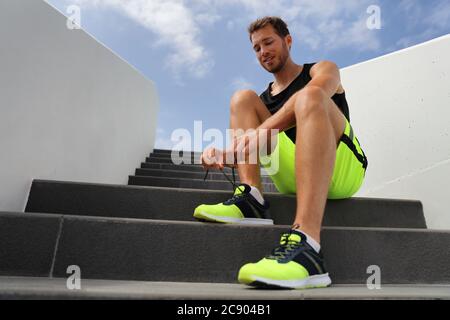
(247, 147)
(213, 158)
(244, 146)
(243, 150)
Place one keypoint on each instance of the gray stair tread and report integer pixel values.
(133, 249)
(189, 158)
(214, 176)
(169, 160)
(55, 288)
(189, 183)
(169, 151)
(189, 164)
(27, 243)
(181, 167)
(158, 203)
(187, 167)
(165, 152)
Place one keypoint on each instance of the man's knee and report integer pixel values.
(309, 100)
(241, 99)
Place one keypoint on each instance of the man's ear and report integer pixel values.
(288, 40)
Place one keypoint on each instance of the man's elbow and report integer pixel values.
(329, 65)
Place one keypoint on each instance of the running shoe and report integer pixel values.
(242, 208)
(294, 264)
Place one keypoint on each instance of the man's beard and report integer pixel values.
(283, 59)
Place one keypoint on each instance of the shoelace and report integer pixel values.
(286, 247)
(233, 182)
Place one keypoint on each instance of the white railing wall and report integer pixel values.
(70, 109)
(400, 109)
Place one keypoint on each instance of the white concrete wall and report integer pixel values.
(70, 109)
(400, 110)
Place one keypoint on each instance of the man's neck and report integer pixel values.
(286, 75)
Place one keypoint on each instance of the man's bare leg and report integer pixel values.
(247, 111)
(320, 125)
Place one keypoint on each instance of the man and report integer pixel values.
(318, 155)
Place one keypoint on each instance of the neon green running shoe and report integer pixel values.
(292, 265)
(242, 208)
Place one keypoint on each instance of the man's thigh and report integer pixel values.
(245, 101)
(348, 173)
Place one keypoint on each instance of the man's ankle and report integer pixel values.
(256, 193)
(312, 238)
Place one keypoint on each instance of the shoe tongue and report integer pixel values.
(242, 188)
(294, 236)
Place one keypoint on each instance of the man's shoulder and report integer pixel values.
(324, 64)
(326, 61)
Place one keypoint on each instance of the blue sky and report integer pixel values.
(198, 53)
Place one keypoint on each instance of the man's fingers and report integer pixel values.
(210, 154)
(206, 157)
(212, 158)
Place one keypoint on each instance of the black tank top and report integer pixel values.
(274, 103)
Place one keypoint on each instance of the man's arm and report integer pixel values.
(325, 76)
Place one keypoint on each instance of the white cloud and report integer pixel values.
(163, 142)
(324, 25)
(207, 19)
(179, 24)
(332, 25)
(240, 83)
(440, 15)
(436, 18)
(230, 25)
(175, 25)
(319, 24)
(360, 37)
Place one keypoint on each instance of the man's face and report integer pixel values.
(271, 49)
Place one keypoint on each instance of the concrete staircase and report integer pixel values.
(140, 241)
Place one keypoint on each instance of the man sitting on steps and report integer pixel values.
(317, 153)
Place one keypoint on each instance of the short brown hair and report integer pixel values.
(277, 23)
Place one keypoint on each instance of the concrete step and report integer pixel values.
(132, 249)
(182, 167)
(213, 175)
(190, 168)
(19, 288)
(192, 159)
(179, 204)
(165, 157)
(161, 152)
(167, 160)
(189, 159)
(186, 167)
(189, 183)
(27, 243)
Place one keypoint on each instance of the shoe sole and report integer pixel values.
(318, 281)
(229, 220)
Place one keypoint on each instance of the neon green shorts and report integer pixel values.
(349, 169)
